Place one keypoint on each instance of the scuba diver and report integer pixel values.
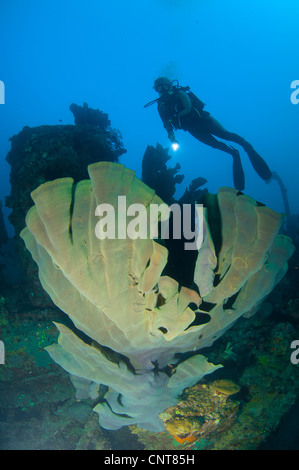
(179, 108)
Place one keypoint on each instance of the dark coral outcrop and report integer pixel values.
(44, 153)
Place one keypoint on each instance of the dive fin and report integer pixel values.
(238, 173)
(258, 163)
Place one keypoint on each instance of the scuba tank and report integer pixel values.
(195, 101)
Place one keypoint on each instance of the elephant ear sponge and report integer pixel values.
(136, 318)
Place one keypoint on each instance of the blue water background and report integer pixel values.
(239, 57)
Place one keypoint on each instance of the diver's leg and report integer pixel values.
(257, 161)
(238, 173)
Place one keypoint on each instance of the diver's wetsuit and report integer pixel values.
(176, 111)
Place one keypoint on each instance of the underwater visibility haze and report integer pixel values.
(135, 343)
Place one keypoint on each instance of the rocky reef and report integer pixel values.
(47, 152)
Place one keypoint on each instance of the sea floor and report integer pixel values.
(238, 407)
